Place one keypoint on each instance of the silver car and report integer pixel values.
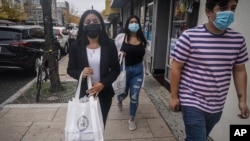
(62, 36)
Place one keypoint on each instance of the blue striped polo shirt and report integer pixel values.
(208, 61)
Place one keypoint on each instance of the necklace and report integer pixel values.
(91, 52)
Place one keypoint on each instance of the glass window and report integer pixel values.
(185, 15)
(36, 33)
(179, 23)
(8, 35)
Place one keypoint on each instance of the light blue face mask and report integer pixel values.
(133, 27)
(223, 19)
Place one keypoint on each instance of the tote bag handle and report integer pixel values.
(93, 106)
(89, 82)
(77, 95)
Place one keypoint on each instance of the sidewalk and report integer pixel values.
(45, 122)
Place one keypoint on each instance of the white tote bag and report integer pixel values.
(84, 118)
(119, 84)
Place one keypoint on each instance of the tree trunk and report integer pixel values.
(49, 45)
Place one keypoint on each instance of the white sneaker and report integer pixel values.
(132, 125)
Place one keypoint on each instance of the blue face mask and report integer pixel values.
(223, 19)
(133, 27)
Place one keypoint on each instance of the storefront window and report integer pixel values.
(185, 15)
(148, 22)
(179, 24)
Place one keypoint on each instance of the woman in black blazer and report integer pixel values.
(95, 54)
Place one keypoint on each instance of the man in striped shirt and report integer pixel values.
(203, 60)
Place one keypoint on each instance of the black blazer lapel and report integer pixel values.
(103, 61)
(83, 56)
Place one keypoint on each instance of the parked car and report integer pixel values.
(63, 38)
(73, 33)
(17, 44)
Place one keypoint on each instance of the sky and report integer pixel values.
(82, 5)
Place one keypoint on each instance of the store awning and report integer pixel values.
(109, 10)
(118, 3)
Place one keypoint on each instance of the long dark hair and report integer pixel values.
(139, 34)
(82, 36)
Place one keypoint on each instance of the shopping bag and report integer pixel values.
(84, 118)
(119, 84)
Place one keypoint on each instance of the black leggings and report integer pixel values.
(105, 104)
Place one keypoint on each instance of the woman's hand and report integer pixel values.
(96, 89)
(86, 72)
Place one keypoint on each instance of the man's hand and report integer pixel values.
(244, 110)
(174, 104)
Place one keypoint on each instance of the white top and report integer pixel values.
(94, 58)
(119, 40)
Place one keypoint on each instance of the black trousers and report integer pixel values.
(105, 104)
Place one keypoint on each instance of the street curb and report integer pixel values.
(23, 89)
(45, 105)
(18, 93)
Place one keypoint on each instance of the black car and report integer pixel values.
(17, 44)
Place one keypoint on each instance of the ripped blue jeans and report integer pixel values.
(134, 79)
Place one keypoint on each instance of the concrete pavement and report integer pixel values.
(45, 122)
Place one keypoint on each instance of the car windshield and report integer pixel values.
(9, 35)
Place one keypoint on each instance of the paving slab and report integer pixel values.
(61, 114)
(156, 139)
(159, 128)
(13, 131)
(29, 114)
(118, 129)
(3, 111)
(45, 131)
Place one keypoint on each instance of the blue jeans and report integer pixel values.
(198, 124)
(134, 79)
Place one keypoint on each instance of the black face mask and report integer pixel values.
(92, 30)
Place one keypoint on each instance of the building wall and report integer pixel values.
(231, 110)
